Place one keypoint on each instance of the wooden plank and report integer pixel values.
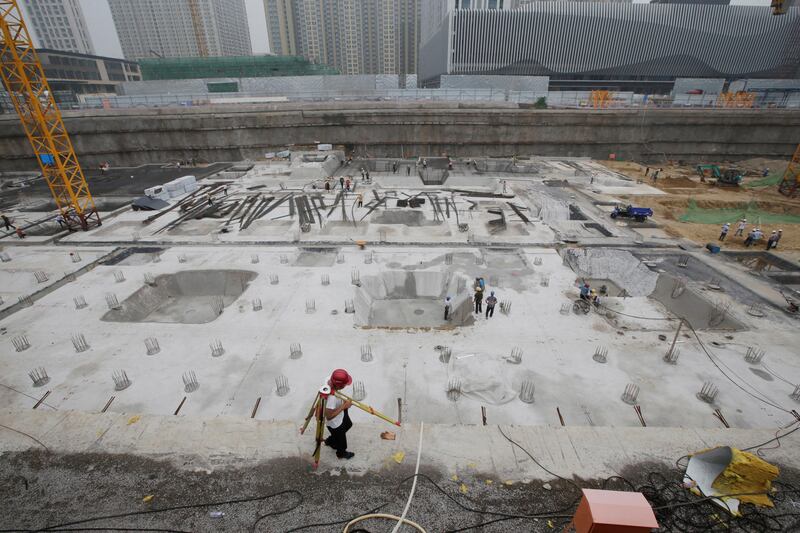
(518, 212)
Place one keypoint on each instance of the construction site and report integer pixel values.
(170, 319)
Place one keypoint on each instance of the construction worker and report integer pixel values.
(448, 304)
(360, 199)
(336, 414)
(491, 301)
(347, 184)
(61, 222)
(7, 222)
(408, 170)
(327, 184)
(341, 182)
(585, 291)
(771, 240)
(20, 233)
(740, 228)
(724, 233)
(777, 238)
(594, 298)
(478, 300)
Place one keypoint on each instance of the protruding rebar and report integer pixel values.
(284, 259)
(448, 259)
(369, 257)
(505, 306)
(79, 342)
(565, 308)
(273, 279)
(257, 304)
(678, 288)
(80, 302)
(537, 260)
(359, 392)
(754, 355)
(216, 348)
(349, 306)
(39, 376)
(190, 383)
(718, 313)
(182, 258)
(151, 344)
(325, 279)
(600, 354)
(366, 353)
(544, 280)
(516, 355)
(282, 385)
(445, 352)
(453, 389)
(75, 257)
(25, 301)
(119, 276)
(630, 394)
(295, 350)
(149, 279)
(41, 276)
(4, 257)
(20, 343)
(355, 277)
(254, 259)
(796, 394)
(714, 284)
(479, 259)
(340, 258)
(526, 391)
(311, 306)
(683, 261)
(756, 310)
(112, 302)
(672, 355)
(121, 380)
(708, 393)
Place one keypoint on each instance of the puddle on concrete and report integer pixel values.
(407, 217)
(189, 297)
(401, 298)
(315, 258)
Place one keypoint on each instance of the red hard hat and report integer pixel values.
(340, 379)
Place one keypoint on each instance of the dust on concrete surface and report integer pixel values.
(44, 490)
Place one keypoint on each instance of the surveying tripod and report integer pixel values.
(317, 412)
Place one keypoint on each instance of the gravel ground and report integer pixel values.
(43, 490)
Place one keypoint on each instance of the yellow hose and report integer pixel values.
(387, 517)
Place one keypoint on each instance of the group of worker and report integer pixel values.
(754, 236)
(345, 182)
(479, 288)
(589, 294)
(8, 225)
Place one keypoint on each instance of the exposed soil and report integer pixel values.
(682, 184)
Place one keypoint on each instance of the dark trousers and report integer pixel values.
(489, 311)
(722, 236)
(446, 311)
(9, 225)
(338, 438)
(478, 306)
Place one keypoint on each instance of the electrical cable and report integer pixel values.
(400, 521)
(25, 434)
(509, 439)
(413, 485)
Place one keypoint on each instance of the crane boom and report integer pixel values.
(24, 79)
(197, 25)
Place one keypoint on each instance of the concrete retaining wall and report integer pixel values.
(235, 132)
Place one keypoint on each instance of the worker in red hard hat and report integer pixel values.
(336, 414)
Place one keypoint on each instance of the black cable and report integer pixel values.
(512, 441)
(174, 508)
(25, 434)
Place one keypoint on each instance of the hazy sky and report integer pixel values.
(106, 43)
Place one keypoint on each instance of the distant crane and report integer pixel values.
(197, 25)
(791, 178)
(24, 79)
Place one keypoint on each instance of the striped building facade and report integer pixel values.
(619, 45)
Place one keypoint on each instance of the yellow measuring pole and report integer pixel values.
(365, 407)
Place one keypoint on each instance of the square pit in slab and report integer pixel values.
(189, 297)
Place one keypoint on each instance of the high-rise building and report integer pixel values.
(615, 45)
(58, 25)
(354, 36)
(181, 28)
(435, 11)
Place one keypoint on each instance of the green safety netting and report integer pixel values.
(180, 68)
(772, 179)
(750, 211)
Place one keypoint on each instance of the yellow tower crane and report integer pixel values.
(790, 183)
(24, 79)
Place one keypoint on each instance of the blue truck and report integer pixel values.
(640, 214)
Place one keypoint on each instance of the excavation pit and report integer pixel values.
(189, 297)
(410, 299)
